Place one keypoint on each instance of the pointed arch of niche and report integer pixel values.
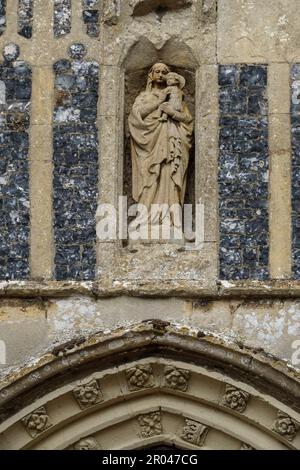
(128, 390)
(135, 66)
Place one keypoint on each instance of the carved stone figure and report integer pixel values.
(160, 140)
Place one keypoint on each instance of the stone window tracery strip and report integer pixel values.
(2, 16)
(75, 156)
(62, 21)
(25, 18)
(15, 100)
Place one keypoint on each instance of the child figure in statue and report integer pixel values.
(175, 85)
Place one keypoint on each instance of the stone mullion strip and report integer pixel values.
(206, 135)
(78, 28)
(110, 168)
(110, 112)
(12, 7)
(280, 171)
(41, 246)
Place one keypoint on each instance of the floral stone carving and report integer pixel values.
(87, 443)
(139, 377)
(88, 394)
(37, 421)
(150, 424)
(177, 379)
(285, 426)
(194, 432)
(235, 399)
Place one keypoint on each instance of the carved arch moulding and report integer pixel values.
(85, 397)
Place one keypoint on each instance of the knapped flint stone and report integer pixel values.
(243, 172)
(295, 137)
(14, 167)
(75, 157)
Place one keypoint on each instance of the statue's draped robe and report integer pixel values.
(160, 152)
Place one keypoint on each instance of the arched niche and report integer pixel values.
(195, 391)
(139, 59)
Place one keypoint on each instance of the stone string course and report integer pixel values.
(243, 172)
(15, 96)
(75, 159)
(25, 18)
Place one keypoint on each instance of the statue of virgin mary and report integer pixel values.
(159, 147)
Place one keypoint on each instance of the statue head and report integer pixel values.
(173, 78)
(157, 75)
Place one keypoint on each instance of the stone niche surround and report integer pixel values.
(162, 267)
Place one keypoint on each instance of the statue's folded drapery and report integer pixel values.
(160, 151)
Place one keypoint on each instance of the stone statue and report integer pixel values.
(161, 128)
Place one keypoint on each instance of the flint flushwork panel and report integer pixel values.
(295, 125)
(62, 21)
(243, 172)
(25, 17)
(2, 16)
(75, 179)
(15, 96)
(91, 16)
